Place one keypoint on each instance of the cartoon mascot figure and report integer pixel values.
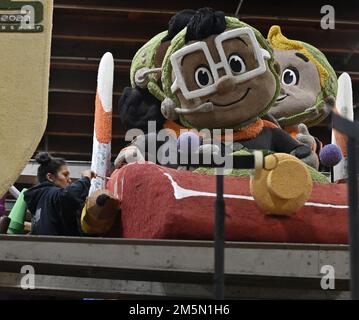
(209, 71)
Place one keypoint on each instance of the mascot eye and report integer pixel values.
(203, 77)
(237, 64)
(290, 76)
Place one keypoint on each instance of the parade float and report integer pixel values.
(198, 75)
(176, 83)
(207, 71)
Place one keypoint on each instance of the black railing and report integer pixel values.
(351, 130)
(237, 162)
(344, 126)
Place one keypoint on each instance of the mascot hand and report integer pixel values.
(308, 140)
(307, 155)
(129, 154)
(305, 137)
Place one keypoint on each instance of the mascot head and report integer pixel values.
(207, 71)
(219, 72)
(308, 82)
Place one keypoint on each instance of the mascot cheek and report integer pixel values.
(264, 90)
(295, 103)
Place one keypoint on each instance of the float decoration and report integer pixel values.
(100, 209)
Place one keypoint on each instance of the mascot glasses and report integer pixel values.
(232, 60)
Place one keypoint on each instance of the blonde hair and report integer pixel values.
(328, 79)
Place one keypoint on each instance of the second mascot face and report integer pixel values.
(229, 71)
(300, 84)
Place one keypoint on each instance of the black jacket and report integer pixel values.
(56, 211)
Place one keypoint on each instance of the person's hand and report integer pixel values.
(89, 174)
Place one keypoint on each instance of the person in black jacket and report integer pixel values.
(55, 204)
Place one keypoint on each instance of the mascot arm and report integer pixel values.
(283, 142)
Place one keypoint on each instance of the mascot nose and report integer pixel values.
(225, 84)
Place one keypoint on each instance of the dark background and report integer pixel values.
(85, 29)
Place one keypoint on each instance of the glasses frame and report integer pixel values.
(180, 84)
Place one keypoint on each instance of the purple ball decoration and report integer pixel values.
(188, 142)
(330, 155)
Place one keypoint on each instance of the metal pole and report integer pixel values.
(353, 217)
(219, 237)
(14, 192)
(238, 8)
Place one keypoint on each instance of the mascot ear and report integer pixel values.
(137, 107)
(168, 109)
(142, 76)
